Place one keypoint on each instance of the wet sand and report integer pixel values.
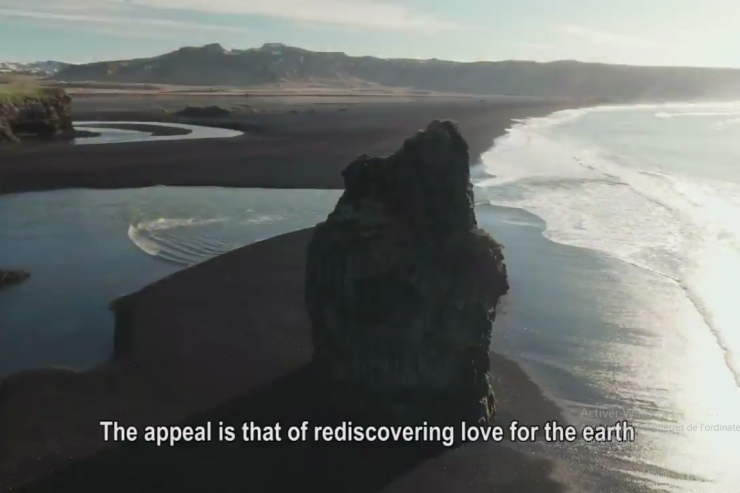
(280, 149)
(228, 340)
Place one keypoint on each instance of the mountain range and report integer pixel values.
(275, 63)
(46, 68)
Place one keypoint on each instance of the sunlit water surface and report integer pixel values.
(657, 187)
(640, 324)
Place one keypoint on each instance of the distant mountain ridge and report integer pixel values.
(45, 68)
(213, 65)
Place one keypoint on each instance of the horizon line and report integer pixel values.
(466, 62)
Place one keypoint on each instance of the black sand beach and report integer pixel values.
(231, 357)
(280, 149)
(258, 351)
(229, 339)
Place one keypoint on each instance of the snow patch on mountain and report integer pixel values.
(33, 68)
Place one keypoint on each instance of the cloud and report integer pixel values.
(388, 15)
(359, 13)
(612, 39)
(97, 20)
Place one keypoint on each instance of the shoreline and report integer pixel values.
(544, 325)
(156, 382)
(150, 381)
(277, 150)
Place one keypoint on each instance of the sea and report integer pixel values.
(646, 325)
(621, 228)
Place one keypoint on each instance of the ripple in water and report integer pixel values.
(190, 241)
(85, 248)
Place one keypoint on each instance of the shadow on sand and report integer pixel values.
(273, 272)
(289, 466)
(247, 466)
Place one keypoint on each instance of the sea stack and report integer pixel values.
(402, 286)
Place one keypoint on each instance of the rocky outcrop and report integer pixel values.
(11, 277)
(402, 286)
(204, 112)
(43, 112)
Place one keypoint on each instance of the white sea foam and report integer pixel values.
(263, 218)
(183, 241)
(141, 241)
(147, 234)
(679, 114)
(686, 228)
(165, 223)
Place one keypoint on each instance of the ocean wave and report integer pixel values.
(165, 223)
(155, 238)
(670, 224)
(184, 240)
(665, 114)
(727, 123)
(144, 244)
(261, 219)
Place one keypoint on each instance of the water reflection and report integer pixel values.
(120, 135)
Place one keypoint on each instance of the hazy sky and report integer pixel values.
(663, 32)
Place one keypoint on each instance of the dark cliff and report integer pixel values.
(402, 286)
(42, 112)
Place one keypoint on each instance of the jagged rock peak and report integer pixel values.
(402, 287)
(424, 186)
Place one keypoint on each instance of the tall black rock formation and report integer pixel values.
(402, 286)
